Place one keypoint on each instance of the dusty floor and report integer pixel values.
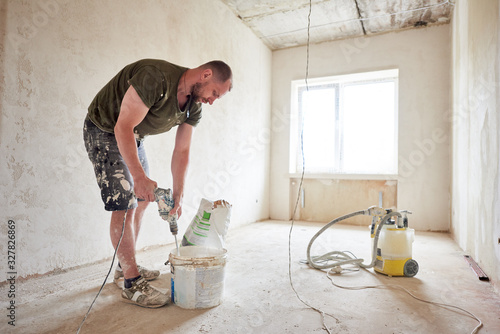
(258, 297)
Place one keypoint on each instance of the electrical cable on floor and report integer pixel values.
(336, 261)
(298, 193)
(110, 268)
(355, 267)
(332, 271)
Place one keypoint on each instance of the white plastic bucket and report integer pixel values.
(197, 276)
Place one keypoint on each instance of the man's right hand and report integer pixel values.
(144, 188)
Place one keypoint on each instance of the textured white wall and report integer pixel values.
(54, 57)
(423, 59)
(476, 128)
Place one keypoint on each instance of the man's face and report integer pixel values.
(209, 91)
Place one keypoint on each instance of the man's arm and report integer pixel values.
(132, 112)
(180, 162)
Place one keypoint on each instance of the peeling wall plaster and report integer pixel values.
(55, 55)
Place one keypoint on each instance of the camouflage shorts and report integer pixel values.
(113, 176)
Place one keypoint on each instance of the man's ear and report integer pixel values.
(206, 74)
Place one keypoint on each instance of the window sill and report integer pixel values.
(329, 176)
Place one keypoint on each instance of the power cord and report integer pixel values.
(336, 262)
(298, 194)
(338, 270)
(110, 268)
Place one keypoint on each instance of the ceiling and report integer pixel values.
(282, 24)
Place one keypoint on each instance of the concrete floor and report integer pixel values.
(258, 297)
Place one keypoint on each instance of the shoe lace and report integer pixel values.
(143, 286)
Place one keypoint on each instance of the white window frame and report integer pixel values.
(295, 151)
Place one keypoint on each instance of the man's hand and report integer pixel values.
(144, 188)
(177, 210)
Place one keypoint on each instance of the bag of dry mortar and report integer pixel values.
(209, 226)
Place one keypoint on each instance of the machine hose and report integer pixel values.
(338, 258)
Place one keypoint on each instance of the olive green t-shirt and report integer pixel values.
(156, 84)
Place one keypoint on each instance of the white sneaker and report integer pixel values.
(145, 295)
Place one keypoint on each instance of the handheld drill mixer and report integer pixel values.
(166, 203)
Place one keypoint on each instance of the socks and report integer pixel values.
(127, 282)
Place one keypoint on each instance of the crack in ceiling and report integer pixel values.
(282, 24)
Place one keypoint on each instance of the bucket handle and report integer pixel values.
(171, 266)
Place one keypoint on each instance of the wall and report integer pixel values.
(422, 57)
(55, 55)
(342, 196)
(476, 128)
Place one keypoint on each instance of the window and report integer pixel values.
(348, 124)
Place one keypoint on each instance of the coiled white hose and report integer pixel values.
(338, 258)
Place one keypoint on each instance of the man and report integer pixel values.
(145, 98)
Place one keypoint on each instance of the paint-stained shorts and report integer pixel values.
(113, 175)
